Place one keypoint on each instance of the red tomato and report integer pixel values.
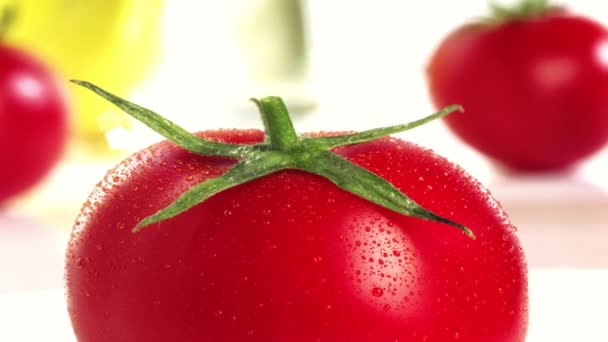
(291, 257)
(534, 90)
(33, 121)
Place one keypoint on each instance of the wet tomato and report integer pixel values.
(291, 255)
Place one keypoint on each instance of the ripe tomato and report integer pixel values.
(534, 89)
(33, 121)
(291, 257)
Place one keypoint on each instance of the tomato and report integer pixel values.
(33, 121)
(111, 41)
(290, 256)
(533, 89)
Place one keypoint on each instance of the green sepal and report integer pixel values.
(368, 185)
(244, 171)
(524, 9)
(373, 134)
(168, 129)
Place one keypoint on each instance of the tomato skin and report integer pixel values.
(33, 121)
(534, 91)
(290, 257)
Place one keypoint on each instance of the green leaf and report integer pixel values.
(370, 186)
(372, 134)
(245, 171)
(168, 129)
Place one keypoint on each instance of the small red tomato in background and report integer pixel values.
(533, 83)
(291, 256)
(33, 121)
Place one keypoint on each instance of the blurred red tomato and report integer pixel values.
(109, 41)
(534, 90)
(33, 121)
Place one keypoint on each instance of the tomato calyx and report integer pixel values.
(525, 9)
(282, 149)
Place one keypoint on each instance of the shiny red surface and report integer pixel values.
(33, 121)
(290, 257)
(534, 92)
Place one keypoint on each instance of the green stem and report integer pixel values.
(278, 126)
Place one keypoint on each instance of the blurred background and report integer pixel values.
(342, 65)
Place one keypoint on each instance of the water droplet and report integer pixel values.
(377, 292)
(82, 262)
(317, 259)
(396, 253)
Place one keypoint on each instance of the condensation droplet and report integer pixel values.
(82, 262)
(377, 292)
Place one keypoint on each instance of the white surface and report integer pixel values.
(566, 306)
(31, 256)
(562, 221)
